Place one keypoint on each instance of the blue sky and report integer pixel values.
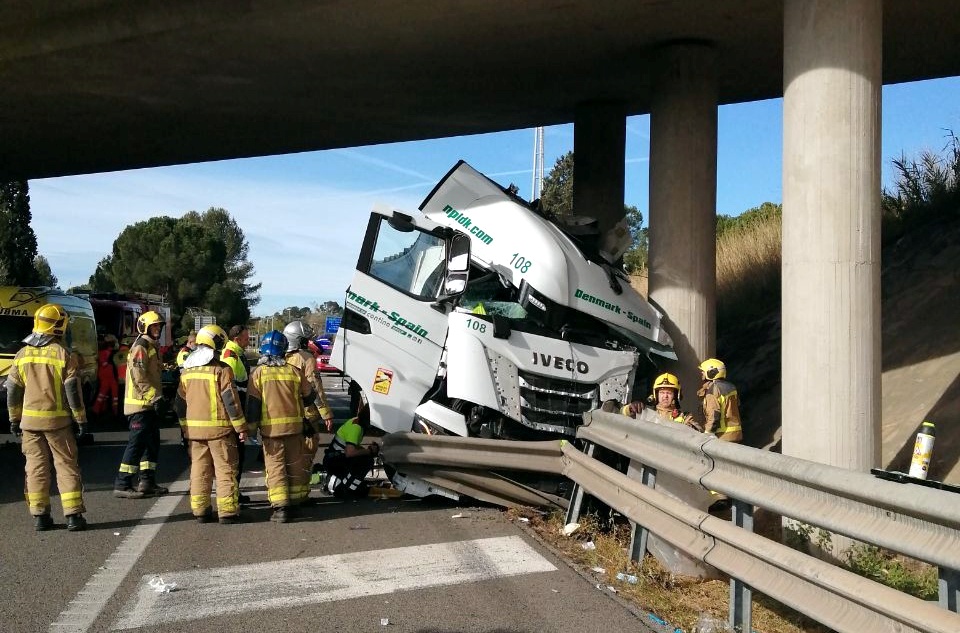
(304, 214)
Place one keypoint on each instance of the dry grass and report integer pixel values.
(679, 601)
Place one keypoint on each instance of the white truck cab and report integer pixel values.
(481, 317)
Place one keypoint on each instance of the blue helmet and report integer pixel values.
(273, 343)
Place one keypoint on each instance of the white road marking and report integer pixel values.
(294, 583)
(84, 609)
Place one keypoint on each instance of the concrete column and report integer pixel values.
(683, 203)
(599, 148)
(831, 231)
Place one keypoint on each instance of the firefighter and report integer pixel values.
(346, 462)
(666, 395)
(43, 377)
(277, 396)
(721, 403)
(208, 406)
(144, 406)
(188, 347)
(234, 354)
(298, 334)
(108, 389)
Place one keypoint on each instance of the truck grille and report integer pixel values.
(554, 405)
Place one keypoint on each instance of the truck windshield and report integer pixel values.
(413, 262)
(12, 332)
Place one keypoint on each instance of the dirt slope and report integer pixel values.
(921, 353)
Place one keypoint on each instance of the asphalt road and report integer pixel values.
(416, 565)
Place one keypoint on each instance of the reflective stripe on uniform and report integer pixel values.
(42, 356)
(129, 468)
(212, 387)
(199, 502)
(71, 500)
(148, 465)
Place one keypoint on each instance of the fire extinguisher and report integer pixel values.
(923, 450)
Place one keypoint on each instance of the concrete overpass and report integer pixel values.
(97, 85)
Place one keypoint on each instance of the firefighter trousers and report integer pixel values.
(143, 447)
(281, 460)
(211, 459)
(56, 449)
(300, 487)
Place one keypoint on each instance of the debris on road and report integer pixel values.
(630, 578)
(589, 546)
(157, 584)
(569, 529)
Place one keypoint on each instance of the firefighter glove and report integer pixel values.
(307, 429)
(15, 428)
(161, 407)
(82, 430)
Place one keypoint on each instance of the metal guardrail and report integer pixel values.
(922, 523)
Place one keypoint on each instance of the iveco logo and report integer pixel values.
(559, 362)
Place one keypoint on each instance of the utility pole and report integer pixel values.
(536, 187)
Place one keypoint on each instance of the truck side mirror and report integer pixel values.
(458, 265)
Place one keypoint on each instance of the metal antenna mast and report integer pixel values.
(536, 187)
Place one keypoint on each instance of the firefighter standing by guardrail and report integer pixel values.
(298, 335)
(721, 402)
(43, 376)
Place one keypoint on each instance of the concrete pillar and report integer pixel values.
(831, 231)
(599, 148)
(683, 203)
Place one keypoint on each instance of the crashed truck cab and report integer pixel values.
(481, 317)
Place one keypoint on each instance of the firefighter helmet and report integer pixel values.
(147, 319)
(274, 343)
(212, 336)
(297, 332)
(713, 369)
(666, 381)
(50, 319)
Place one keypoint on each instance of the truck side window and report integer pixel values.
(412, 262)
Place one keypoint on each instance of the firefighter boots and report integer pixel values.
(127, 493)
(230, 520)
(206, 517)
(43, 522)
(280, 515)
(76, 523)
(150, 489)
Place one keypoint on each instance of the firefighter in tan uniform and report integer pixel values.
(144, 406)
(43, 398)
(666, 395)
(721, 403)
(277, 396)
(209, 409)
(298, 334)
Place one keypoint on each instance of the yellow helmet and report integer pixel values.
(50, 319)
(666, 381)
(212, 336)
(147, 319)
(713, 369)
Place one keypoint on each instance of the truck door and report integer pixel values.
(393, 330)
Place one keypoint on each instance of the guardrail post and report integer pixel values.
(741, 595)
(576, 497)
(638, 541)
(949, 589)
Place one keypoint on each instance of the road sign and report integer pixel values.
(333, 324)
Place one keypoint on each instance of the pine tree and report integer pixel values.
(18, 242)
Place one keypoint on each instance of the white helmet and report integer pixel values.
(297, 334)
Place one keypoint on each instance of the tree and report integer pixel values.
(557, 200)
(238, 269)
(557, 195)
(165, 256)
(18, 242)
(44, 276)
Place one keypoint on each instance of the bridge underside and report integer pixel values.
(96, 85)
